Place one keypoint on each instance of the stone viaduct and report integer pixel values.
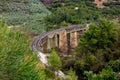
(64, 38)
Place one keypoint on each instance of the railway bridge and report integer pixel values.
(64, 39)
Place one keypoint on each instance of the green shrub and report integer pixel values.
(105, 74)
(54, 60)
(115, 64)
(16, 59)
(71, 75)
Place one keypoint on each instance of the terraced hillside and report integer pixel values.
(26, 13)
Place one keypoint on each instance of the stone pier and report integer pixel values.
(73, 39)
(48, 43)
(52, 41)
(56, 41)
(63, 41)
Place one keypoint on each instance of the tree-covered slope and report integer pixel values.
(99, 51)
(26, 13)
(66, 12)
(16, 59)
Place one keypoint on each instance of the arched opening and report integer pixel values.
(68, 42)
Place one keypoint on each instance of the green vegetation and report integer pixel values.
(113, 10)
(98, 51)
(66, 12)
(16, 59)
(71, 75)
(105, 74)
(100, 36)
(54, 59)
(69, 12)
(99, 48)
(26, 13)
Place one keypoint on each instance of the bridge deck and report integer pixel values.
(35, 44)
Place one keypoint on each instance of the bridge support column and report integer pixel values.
(53, 42)
(63, 41)
(73, 39)
(48, 43)
(44, 47)
(56, 41)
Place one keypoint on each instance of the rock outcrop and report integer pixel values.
(100, 3)
(47, 2)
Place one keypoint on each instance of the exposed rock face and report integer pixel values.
(100, 3)
(47, 2)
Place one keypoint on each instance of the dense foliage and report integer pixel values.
(112, 9)
(54, 60)
(16, 59)
(26, 13)
(71, 75)
(105, 74)
(66, 12)
(99, 49)
(69, 12)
